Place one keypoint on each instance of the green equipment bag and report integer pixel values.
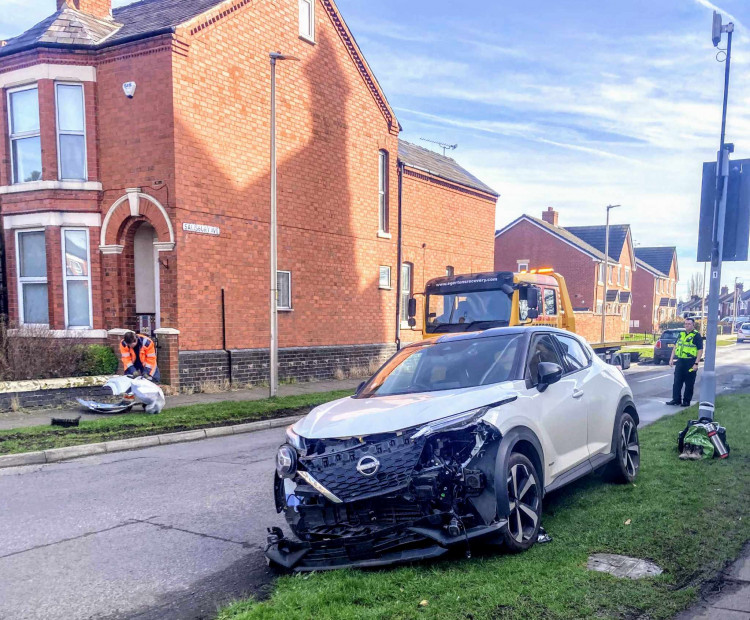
(697, 436)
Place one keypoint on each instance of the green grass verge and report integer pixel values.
(168, 421)
(725, 341)
(689, 517)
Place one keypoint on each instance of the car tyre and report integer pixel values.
(525, 504)
(627, 462)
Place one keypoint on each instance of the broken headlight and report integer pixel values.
(458, 420)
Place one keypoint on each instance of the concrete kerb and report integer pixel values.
(120, 445)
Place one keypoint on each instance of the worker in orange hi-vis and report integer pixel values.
(138, 355)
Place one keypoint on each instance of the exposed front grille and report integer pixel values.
(338, 473)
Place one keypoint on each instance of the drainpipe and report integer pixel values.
(400, 254)
(224, 334)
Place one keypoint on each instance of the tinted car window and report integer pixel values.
(574, 354)
(542, 350)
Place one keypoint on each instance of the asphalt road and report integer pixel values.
(174, 531)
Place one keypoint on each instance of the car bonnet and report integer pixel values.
(357, 417)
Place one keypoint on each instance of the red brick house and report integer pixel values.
(577, 252)
(134, 186)
(654, 288)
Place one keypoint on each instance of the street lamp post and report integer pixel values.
(273, 364)
(606, 273)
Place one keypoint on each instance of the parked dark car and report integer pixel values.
(663, 347)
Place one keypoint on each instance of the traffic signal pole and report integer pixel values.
(708, 381)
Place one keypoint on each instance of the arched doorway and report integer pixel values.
(146, 266)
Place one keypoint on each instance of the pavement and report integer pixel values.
(10, 420)
(177, 531)
(730, 597)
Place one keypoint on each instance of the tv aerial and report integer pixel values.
(442, 145)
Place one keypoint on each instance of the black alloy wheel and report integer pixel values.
(628, 452)
(524, 503)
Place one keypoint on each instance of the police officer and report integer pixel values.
(685, 357)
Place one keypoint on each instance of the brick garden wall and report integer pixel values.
(250, 366)
(42, 399)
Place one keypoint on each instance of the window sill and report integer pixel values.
(307, 39)
(284, 309)
(36, 186)
(384, 235)
(385, 288)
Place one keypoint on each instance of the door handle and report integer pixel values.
(577, 393)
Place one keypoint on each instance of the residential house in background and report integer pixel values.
(134, 187)
(654, 288)
(577, 252)
(736, 297)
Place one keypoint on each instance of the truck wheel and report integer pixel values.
(627, 461)
(525, 504)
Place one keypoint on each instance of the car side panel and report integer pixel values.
(609, 387)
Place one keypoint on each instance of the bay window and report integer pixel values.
(31, 267)
(71, 133)
(76, 278)
(25, 141)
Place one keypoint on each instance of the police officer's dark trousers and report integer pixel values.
(683, 376)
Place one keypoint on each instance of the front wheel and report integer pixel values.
(524, 504)
(627, 451)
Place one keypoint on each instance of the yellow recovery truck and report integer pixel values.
(477, 301)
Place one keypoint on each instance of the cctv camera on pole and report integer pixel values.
(714, 226)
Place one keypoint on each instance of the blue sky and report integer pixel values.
(573, 105)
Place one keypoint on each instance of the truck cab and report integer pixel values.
(478, 301)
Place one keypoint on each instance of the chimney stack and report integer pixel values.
(550, 216)
(101, 9)
(724, 290)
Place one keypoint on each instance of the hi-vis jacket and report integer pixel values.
(685, 347)
(146, 353)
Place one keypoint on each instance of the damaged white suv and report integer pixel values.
(454, 439)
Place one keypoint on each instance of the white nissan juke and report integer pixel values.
(453, 440)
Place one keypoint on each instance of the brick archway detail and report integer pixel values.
(135, 204)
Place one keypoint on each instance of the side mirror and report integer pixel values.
(548, 373)
(532, 298)
(412, 321)
(412, 308)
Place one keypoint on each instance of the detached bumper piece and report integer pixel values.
(388, 548)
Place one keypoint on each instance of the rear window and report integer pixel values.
(672, 334)
(746, 326)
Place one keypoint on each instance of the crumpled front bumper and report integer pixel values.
(387, 548)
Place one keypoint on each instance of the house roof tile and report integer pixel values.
(659, 258)
(133, 20)
(596, 236)
(440, 166)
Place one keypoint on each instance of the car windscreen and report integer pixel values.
(467, 311)
(745, 326)
(431, 367)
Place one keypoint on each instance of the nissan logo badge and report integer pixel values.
(368, 466)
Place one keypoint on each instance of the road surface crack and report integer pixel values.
(164, 526)
(64, 540)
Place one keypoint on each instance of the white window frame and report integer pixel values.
(308, 36)
(280, 308)
(601, 273)
(599, 307)
(67, 278)
(27, 134)
(610, 273)
(450, 271)
(627, 277)
(71, 133)
(383, 162)
(522, 265)
(619, 274)
(380, 273)
(404, 306)
(29, 279)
